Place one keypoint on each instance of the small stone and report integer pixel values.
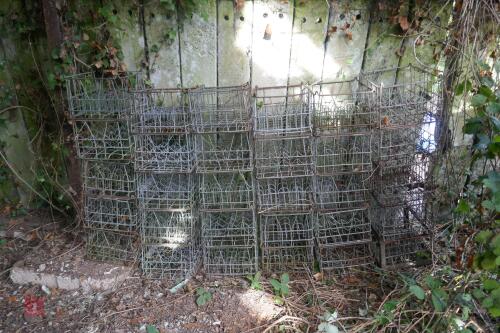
(42, 267)
(46, 290)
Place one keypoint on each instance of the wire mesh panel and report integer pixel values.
(226, 191)
(225, 109)
(287, 241)
(223, 152)
(290, 194)
(108, 245)
(230, 242)
(103, 178)
(282, 111)
(170, 242)
(166, 191)
(229, 261)
(161, 111)
(102, 139)
(343, 154)
(405, 251)
(341, 192)
(283, 157)
(93, 97)
(110, 213)
(344, 227)
(344, 107)
(164, 153)
(229, 229)
(336, 258)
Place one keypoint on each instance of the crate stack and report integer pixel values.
(284, 175)
(343, 127)
(224, 158)
(401, 211)
(100, 108)
(166, 184)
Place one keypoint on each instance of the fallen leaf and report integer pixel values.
(385, 121)
(12, 299)
(318, 276)
(85, 37)
(332, 30)
(348, 35)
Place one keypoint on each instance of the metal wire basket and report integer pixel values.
(174, 229)
(283, 157)
(174, 192)
(223, 152)
(164, 153)
(341, 192)
(227, 191)
(110, 213)
(110, 179)
(282, 111)
(410, 250)
(95, 97)
(229, 229)
(230, 261)
(221, 109)
(285, 195)
(161, 111)
(344, 107)
(343, 228)
(108, 245)
(343, 154)
(340, 257)
(159, 261)
(102, 139)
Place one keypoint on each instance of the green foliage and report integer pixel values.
(255, 283)
(203, 296)
(152, 329)
(281, 288)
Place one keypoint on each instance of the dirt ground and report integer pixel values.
(138, 302)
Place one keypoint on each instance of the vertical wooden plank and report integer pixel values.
(235, 42)
(383, 45)
(271, 48)
(347, 32)
(198, 46)
(163, 42)
(307, 49)
(128, 34)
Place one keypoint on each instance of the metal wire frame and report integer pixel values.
(174, 229)
(408, 250)
(340, 257)
(108, 245)
(283, 157)
(343, 228)
(169, 192)
(98, 139)
(223, 152)
(109, 179)
(110, 213)
(341, 192)
(229, 229)
(94, 97)
(282, 111)
(159, 261)
(286, 230)
(164, 153)
(344, 107)
(343, 154)
(161, 111)
(170, 243)
(226, 191)
(412, 216)
(286, 259)
(229, 261)
(225, 109)
(285, 195)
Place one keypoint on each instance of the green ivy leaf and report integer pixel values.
(462, 207)
(417, 291)
(462, 87)
(439, 298)
(285, 278)
(483, 236)
(432, 283)
(390, 305)
(276, 285)
(488, 302)
(478, 100)
(493, 107)
(152, 329)
(490, 284)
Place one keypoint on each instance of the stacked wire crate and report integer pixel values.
(224, 158)
(401, 211)
(100, 109)
(343, 127)
(284, 175)
(166, 184)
